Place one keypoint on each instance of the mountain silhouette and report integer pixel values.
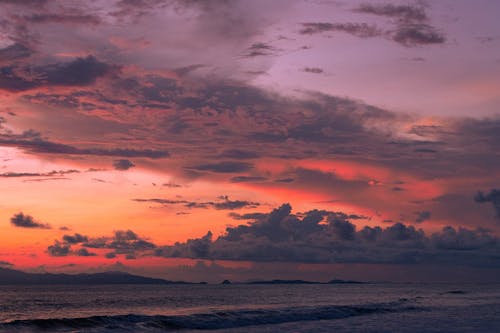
(15, 277)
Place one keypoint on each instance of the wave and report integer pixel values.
(203, 321)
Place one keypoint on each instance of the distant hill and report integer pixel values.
(10, 276)
(336, 281)
(284, 282)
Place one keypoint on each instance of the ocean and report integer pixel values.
(377, 307)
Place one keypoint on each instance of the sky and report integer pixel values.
(231, 139)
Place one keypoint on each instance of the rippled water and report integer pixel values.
(251, 308)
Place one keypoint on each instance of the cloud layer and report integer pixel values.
(316, 236)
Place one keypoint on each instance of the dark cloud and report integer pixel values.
(411, 21)
(234, 204)
(493, 196)
(313, 70)
(224, 167)
(422, 216)
(25, 2)
(400, 12)
(411, 35)
(411, 25)
(224, 204)
(39, 180)
(53, 173)
(123, 165)
(248, 216)
(259, 49)
(316, 236)
(83, 252)
(362, 30)
(110, 255)
(284, 180)
(463, 239)
(37, 145)
(14, 52)
(62, 19)
(171, 185)
(424, 150)
(75, 239)
(26, 221)
(79, 72)
(122, 242)
(239, 154)
(329, 237)
(192, 248)
(248, 179)
(59, 249)
(163, 201)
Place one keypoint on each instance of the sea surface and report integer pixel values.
(378, 307)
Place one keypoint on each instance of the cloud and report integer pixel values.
(110, 255)
(224, 204)
(493, 196)
(422, 216)
(224, 167)
(13, 52)
(122, 242)
(171, 185)
(411, 26)
(411, 35)
(316, 236)
(284, 180)
(463, 239)
(26, 221)
(313, 70)
(239, 154)
(75, 239)
(248, 216)
(53, 173)
(59, 249)
(248, 179)
(400, 12)
(123, 165)
(83, 252)
(329, 237)
(234, 204)
(259, 49)
(79, 72)
(24, 2)
(62, 19)
(37, 145)
(362, 30)
(411, 21)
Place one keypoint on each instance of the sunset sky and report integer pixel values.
(203, 140)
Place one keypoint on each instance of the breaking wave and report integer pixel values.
(202, 321)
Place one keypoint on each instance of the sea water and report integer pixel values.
(377, 307)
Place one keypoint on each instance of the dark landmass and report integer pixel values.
(14, 277)
(283, 282)
(336, 281)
